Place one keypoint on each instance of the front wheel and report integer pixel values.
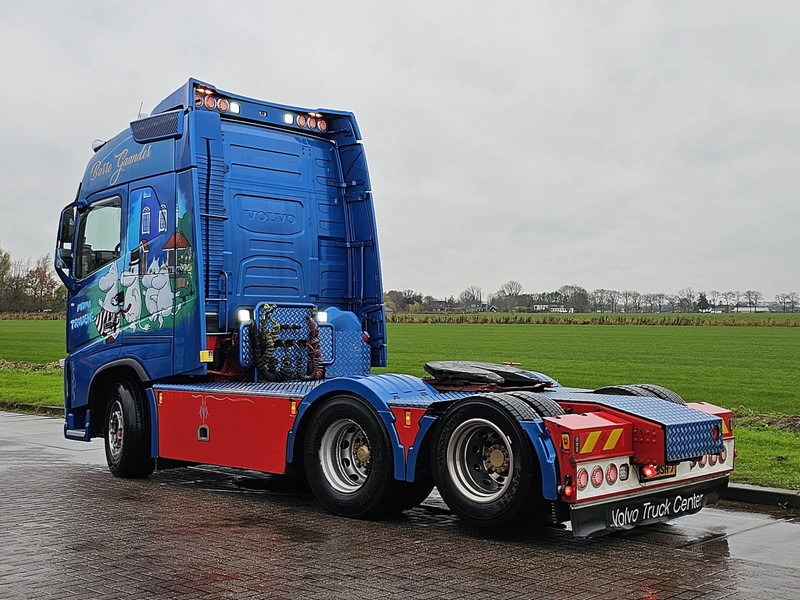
(348, 458)
(127, 433)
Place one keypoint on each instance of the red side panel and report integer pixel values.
(230, 430)
(718, 411)
(649, 445)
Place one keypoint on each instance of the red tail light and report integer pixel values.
(210, 102)
(611, 474)
(301, 120)
(702, 460)
(312, 123)
(222, 104)
(597, 477)
(712, 459)
(723, 456)
(198, 99)
(583, 479)
(649, 471)
(322, 125)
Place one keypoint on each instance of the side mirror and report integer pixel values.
(64, 253)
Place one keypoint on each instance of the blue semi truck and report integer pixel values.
(225, 307)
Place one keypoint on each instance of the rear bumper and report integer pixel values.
(660, 505)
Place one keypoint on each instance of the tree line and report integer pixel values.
(29, 285)
(511, 297)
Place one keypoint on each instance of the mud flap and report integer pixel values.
(657, 507)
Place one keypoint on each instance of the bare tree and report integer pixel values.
(686, 297)
(713, 297)
(472, 294)
(613, 299)
(793, 299)
(783, 300)
(753, 297)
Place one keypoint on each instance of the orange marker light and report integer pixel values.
(294, 407)
(408, 418)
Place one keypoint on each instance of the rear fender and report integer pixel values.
(377, 391)
(546, 453)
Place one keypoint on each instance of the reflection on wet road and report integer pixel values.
(67, 528)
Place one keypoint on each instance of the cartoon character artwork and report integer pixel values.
(158, 296)
(107, 320)
(132, 305)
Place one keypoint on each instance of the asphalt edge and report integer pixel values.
(29, 408)
(737, 492)
(756, 494)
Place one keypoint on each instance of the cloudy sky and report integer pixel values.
(623, 145)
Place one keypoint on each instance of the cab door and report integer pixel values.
(93, 310)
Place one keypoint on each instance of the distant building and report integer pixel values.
(745, 308)
(476, 306)
(439, 306)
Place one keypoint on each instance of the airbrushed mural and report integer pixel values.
(150, 285)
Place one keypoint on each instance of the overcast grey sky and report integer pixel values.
(628, 145)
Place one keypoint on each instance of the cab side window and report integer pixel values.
(98, 236)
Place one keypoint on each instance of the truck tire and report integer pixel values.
(642, 389)
(485, 466)
(127, 433)
(541, 404)
(348, 458)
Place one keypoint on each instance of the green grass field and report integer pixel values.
(32, 341)
(754, 368)
(743, 368)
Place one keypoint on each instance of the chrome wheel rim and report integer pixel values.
(346, 456)
(480, 460)
(116, 429)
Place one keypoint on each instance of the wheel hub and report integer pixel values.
(345, 456)
(480, 460)
(116, 430)
(362, 454)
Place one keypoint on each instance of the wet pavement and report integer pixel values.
(68, 529)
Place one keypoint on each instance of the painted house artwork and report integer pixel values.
(154, 221)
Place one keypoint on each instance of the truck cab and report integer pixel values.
(192, 216)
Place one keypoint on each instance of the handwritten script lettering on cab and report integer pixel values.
(122, 159)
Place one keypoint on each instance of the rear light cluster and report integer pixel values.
(713, 459)
(610, 475)
(204, 97)
(312, 122)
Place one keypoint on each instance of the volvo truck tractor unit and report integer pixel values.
(225, 307)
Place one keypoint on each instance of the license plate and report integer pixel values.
(662, 472)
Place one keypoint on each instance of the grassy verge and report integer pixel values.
(767, 456)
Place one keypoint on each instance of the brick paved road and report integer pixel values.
(70, 530)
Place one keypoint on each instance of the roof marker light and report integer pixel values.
(235, 108)
(288, 118)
